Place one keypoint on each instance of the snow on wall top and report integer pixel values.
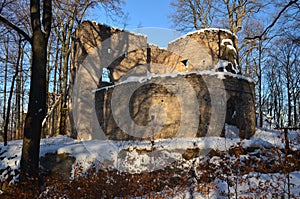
(143, 79)
(226, 41)
(116, 28)
(202, 31)
(156, 46)
(181, 37)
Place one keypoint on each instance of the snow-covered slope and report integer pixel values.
(137, 157)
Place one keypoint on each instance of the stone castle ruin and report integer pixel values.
(141, 91)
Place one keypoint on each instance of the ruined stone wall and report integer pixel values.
(201, 49)
(107, 43)
(204, 48)
(158, 104)
(94, 46)
(147, 60)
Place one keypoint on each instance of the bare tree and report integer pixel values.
(286, 54)
(196, 14)
(66, 16)
(40, 27)
(16, 14)
(284, 8)
(37, 98)
(230, 14)
(243, 18)
(192, 14)
(9, 102)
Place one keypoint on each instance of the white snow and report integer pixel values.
(156, 45)
(140, 156)
(202, 31)
(120, 29)
(143, 79)
(226, 41)
(231, 47)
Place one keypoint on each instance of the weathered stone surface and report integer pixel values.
(157, 106)
(146, 60)
(204, 48)
(170, 105)
(95, 46)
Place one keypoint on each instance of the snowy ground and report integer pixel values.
(138, 157)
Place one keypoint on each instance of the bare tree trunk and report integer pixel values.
(56, 66)
(60, 72)
(18, 106)
(48, 73)
(275, 108)
(66, 43)
(281, 106)
(11, 94)
(18, 94)
(38, 90)
(63, 112)
(22, 98)
(298, 123)
(295, 109)
(288, 86)
(260, 84)
(53, 119)
(5, 87)
(36, 108)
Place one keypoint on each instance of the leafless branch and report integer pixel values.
(16, 28)
(274, 21)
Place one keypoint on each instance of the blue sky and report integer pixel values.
(138, 13)
(148, 13)
(149, 17)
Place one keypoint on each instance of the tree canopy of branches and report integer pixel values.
(46, 27)
(196, 14)
(260, 25)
